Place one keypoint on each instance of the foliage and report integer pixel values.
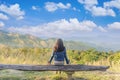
(40, 56)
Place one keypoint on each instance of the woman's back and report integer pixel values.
(59, 53)
(59, 56)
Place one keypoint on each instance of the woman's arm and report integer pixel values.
(67, 61)
(50, 60)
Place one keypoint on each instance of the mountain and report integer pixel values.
(19, 40)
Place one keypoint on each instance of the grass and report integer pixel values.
(96, 75)
(48, 75)
(39, 56)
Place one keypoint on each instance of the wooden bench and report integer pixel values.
(68, 69)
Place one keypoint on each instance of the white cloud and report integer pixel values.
(99, 11)
(112, 3)
(3, 16)
(34, 8)
(62, 6)
(88, 2)
(75, 9)
(37, 8)
(1, 24)
(57, 28)
(72, 24)
(13, 10)
(115, 26)
(51, 6)
(91, 5)
(102, 29)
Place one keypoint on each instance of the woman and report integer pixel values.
(59, 53)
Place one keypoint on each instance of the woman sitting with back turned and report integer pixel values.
(59, 53)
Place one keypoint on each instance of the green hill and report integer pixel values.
(19, 40)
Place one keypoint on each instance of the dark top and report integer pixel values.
(59, 56)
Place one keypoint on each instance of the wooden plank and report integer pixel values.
(53, 67)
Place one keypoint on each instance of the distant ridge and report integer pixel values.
(19, 40)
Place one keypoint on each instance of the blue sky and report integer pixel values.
(94, 21)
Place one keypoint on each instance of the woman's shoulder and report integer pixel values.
(64, 48)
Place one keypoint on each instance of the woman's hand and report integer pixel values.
(68, 62)
(49, 63)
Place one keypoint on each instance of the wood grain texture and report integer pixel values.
(53, 67)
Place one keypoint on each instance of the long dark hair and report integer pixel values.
(59, 46)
